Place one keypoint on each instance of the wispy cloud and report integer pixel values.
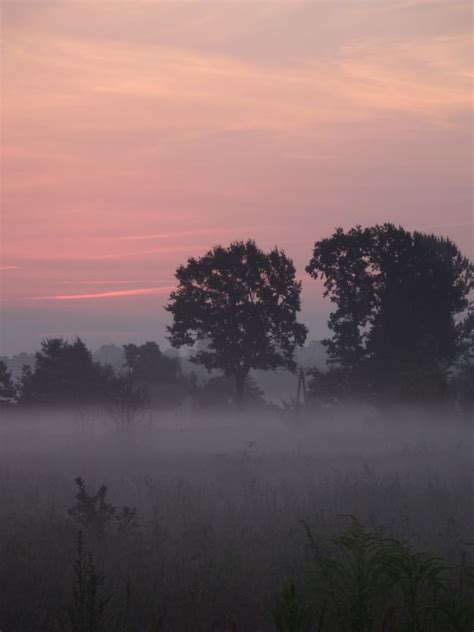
(5, 268)
(173, 235)
(114, 282)
(111, 294)
(191, 233)
(138, 253)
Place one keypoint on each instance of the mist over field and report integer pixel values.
(223, 501)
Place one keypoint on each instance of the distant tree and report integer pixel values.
(327, 387)
(7, 387)
(26, 385)
(112, 355)
(397, 296)
(128, 400)
(245, 303)
(64, 372)
(16, 363)
(155, 373)
(149, 364)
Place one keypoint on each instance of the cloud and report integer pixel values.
(112, 294)
(111, 282)
(169, 94)
(136, 254)
(187, 123)
(6, 268)
(172, 235)
(188, 233)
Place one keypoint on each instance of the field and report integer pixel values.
(250, 522)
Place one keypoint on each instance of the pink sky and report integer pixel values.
(136, 134)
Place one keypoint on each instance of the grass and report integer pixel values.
(311, 531)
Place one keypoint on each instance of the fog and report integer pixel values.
(220, 502)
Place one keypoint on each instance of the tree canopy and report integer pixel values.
(7, 387)
(244, 303)
(397, 296)
(63, 372)
(149, 364)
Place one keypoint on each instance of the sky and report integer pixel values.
(136, 134)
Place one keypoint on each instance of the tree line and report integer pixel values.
(402, 327)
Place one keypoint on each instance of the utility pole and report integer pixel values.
(301, 392)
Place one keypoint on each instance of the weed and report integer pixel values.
(291, 613)
(87, 611)
(94, 513)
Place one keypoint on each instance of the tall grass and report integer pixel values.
(245, 538)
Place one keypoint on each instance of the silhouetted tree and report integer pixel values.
(149, 364)
(128, 400)
(156, 373)
(64, 372)
(245, 303)
(327, 387)
(397, 295)
(16, 363)
(7, 387)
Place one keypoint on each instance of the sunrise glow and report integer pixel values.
(137, 134)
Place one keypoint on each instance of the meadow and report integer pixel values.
(197, 521)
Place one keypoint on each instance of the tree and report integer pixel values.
(326, 388)
(110, 354)
(154, 372)
(64, 372)
(128, 400)
(7, 387)
(149, 364)
(16, 363)
(244, 302)
(397, 297)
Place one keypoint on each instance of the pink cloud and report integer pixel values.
(110, 294)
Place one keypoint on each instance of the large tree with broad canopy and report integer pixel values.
(243, 303)
(399, 297)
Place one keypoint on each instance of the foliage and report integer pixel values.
(156, 373)
(7, 387)
(127, 400)
(15, 363)
(218, 534)
(290, 612)
(63, 372)
(149, 364)
(87, 611)
(94, 514)
(327, 388)
(372, 582)
(397, 295)
(245, 303)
